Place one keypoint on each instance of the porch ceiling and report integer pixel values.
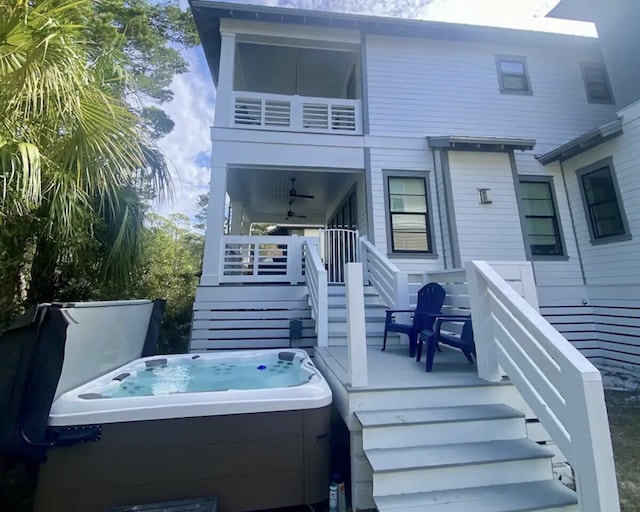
(265, 193)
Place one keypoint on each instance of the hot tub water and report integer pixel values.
(198, 375)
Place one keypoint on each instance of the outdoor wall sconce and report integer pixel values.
(485, 196)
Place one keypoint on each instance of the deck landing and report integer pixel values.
(394, 369)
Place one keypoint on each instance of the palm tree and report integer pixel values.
(71, 154)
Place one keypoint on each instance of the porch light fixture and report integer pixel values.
(485, 196)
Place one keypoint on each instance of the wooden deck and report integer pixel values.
(394, 369)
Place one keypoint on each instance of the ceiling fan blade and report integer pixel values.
(293, 193)
(291, 214)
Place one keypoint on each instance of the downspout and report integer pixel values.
(573, 224)
(435, 173)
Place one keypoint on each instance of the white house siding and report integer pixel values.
(485, 231)
(413, 156)
(614, 263)
(612, 271)
(432, 87)
(420, 87)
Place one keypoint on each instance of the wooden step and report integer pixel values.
(440, 425)
(549, 496)
(440, 467)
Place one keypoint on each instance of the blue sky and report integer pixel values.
(188, 147)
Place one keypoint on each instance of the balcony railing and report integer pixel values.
(296, 113)
(262, 259)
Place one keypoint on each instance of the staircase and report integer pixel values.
(374, 316)
(439, 459)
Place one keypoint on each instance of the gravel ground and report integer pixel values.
(624, 420)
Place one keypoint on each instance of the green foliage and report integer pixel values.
(169, 268)
(72, 158)
(142, 36)
(202, 210)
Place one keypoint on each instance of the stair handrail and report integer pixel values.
(562, 388)
(390, 282)
(316, 279)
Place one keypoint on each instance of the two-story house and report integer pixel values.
(421, 147)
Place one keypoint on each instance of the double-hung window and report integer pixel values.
(409, 228)
(596, 83)
(603, 207)
(539, 212)
(513, 75)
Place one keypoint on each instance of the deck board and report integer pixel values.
(394, 369)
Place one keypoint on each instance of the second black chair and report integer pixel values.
(430, 299)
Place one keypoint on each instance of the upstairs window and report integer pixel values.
(603, 207)
(513, 75)
(596, 83)
(541, 226)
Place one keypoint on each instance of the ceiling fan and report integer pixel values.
(291, 214)
(293, 193)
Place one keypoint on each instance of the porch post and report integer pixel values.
(237, 214)
(224, 91)
(213, 244)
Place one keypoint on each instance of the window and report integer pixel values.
(603, 208)
(596, 83)
(513, 75)
(541, 226)
(409, 229)
(346, 215)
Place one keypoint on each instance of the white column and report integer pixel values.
(211, 265)
(356, 327)
(237, 214)
(224, 91)
(246, 223)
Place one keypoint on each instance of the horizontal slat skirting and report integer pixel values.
(248, 333)
(249, 305)
(269, 314)
(200, 345)
(243, 325)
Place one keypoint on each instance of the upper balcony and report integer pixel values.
(296, 89)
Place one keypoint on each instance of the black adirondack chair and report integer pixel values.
(434, 336)
(430, 300)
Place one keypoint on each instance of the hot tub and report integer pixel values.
(250, 427)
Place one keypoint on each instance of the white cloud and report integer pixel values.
(522, 14)
(188, 147)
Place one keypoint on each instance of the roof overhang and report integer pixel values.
(583, 143)
(207, 15)
(578, 10)
(487, 144)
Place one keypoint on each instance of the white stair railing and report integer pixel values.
(338, 246)
(316, 278)
(561, 387)
(356, 327)
(389, 281)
